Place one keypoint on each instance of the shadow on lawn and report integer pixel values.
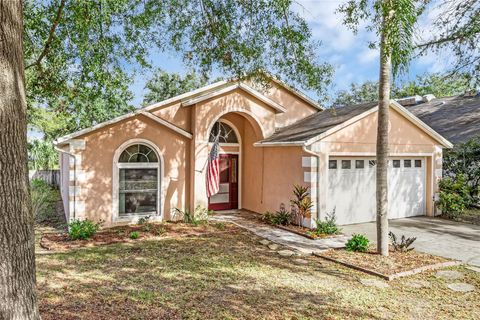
(212, 277)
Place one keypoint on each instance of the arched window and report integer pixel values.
(138, 177)
(225, 132)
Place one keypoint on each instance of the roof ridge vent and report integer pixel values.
(428, 97)
(410, 101)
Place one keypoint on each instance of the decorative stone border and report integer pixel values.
(395, 275)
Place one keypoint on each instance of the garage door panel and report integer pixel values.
(352, 193)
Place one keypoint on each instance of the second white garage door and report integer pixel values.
(351, 191)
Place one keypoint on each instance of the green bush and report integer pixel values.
(329, 226)
(134, 235)
(280, 217)
(454, 196)
(43, 200)
(82, 229)
(358, 243)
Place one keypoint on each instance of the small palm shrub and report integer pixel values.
(358, 243)
(301, 204)
(82, 229)
(329, 226)
(134, 235)
(280, 217)
(403, 245)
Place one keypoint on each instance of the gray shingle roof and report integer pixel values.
(318, 123)
(457, 119)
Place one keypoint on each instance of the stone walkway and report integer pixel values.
(288, 239)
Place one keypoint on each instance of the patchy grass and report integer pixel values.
(229, 275)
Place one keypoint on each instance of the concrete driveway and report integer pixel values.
(436, 236)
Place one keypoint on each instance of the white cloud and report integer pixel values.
(367, 56)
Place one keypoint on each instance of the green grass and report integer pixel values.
(229, 275)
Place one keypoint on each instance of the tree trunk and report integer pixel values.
(17, 257)
(382, 145)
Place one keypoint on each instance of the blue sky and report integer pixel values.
(347, 52)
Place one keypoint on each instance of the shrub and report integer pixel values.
(403, 245)
(358, 243)
(464, 159)
(282, 216)
(198, 217)
(454, 196)
(302, 204)
(82, 229)
(143, 220)
(43, 200)
(134, 235)
(329, 226)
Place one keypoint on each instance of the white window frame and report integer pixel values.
(147, 165)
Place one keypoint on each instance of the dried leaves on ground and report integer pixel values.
(229, 275)
(394, 263)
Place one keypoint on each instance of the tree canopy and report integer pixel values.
(164, 85)
(81, 55)
(440, 85)
(456, 32)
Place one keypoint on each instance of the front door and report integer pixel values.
(227, 196)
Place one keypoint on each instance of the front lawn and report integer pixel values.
(230, 275)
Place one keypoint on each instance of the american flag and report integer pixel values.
(213, 169)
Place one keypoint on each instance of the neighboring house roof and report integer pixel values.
(456, 118)
(189, 98)
(321, 124)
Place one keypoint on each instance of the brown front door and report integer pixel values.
(227, 196)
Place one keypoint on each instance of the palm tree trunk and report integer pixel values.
(17, 257)
(382, 146)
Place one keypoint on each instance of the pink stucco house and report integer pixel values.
(153, 160)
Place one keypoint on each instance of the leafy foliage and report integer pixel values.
(464, 159)
(42, 155)
(301, 204)
(457, 34)
(164, 85)
(76, 52)
(43, 200)
(134, 235)
(440, 85)
(399, 19)
(328, 227)
(280, 217)
(358, 243)
(82, 229)
(403, 245)
(454, 196)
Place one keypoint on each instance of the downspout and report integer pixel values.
(74, 178)
(316, 155)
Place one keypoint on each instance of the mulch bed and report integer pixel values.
(397, 264)
(300, 230)
(121, 234)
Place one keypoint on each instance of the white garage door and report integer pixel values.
(351, 191)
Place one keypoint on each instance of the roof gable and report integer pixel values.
(322, 124)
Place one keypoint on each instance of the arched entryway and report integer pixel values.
(239, 160)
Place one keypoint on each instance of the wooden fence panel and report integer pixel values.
(52, 177)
